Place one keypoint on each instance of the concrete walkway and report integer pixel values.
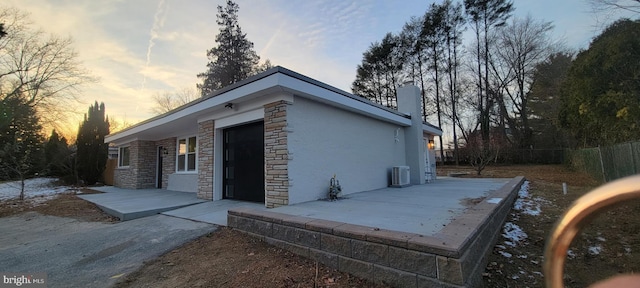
(214, 212)
(128, 204)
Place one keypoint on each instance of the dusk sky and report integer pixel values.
(138, 48)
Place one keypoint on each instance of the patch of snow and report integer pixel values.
(627, 250)
(510, 244)
(595, 250)
(494, 200)
(525, 203)
(32, 188)
(501, 246)
(571, 254)
(505, 254)
(601, 239)
(514, 277)
(538, 273)
(513, 233)
(522, 256)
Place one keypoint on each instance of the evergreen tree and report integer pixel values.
(434, 37)
(233, 59)
(92, 151)
(21, 153)
(453, 29)
(56, 154)
(544, 98)
(600, 103)
(380, 72)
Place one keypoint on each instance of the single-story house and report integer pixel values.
(277, 137)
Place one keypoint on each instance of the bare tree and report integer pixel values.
(41, 69)
(523, 43)
(484, 15)
(626, 5)
(116, 125)
(167, 101)
(454, 22)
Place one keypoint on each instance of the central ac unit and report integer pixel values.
(400, 176)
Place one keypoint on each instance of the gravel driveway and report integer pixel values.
(88, 254)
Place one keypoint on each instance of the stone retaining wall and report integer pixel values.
(454, 257)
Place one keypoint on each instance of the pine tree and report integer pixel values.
(433, 37)
(21, 153)
(233, 59)
(380, 72)
(56, 154)
(485, 14)
(544, 96)
(92, 151)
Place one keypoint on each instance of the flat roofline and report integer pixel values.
(275, 70)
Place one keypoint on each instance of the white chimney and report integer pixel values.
(409, 103)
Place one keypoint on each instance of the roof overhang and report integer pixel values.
(275, 81)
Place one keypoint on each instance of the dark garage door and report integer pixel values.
(244, 162)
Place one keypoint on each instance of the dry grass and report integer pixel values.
(616, 232)
(228, 258)
(62, 205)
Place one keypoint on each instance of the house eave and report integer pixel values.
(431, 129)
(272, 81)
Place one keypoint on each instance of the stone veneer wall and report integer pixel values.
(276, 155)
(169, 160)
(454, 257)
(205, 159)
(142, 167)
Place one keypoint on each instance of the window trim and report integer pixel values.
(120, 156)
(186, 155)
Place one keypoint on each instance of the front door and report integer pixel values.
(244, 162)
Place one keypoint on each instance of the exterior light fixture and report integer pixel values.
(431, 145)
(165, 151)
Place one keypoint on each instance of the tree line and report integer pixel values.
(510, 86)
(39, 80)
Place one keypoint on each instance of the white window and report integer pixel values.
(123, 156)
(187, 148)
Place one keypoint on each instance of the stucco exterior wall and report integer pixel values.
(183, 182)
(324, 141)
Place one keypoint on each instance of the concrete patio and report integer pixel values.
(421, 209)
